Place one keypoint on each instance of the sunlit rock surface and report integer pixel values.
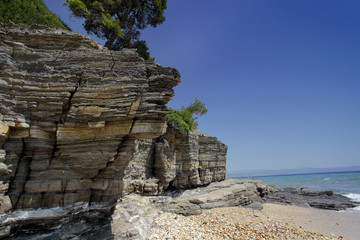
(82, 131)
(71, 113)
(80, 123)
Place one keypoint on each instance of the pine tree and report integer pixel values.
(119, 21)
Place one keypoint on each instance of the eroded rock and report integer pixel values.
(83, 127)
(71, 114)
(176, 160)
(311, 198)
(227, 193)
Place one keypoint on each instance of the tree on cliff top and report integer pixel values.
(29, 12)
(119, 21)
(184, 119)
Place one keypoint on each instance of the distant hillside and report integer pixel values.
(29, 12)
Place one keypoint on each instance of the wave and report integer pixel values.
(326, 179)
(357, 208)
(353, 196)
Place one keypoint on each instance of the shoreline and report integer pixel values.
(274, 221)
(339, 223)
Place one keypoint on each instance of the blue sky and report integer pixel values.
(281, 79)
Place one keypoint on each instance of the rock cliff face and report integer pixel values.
(81, 129)
(132, 217)
(175, 160)
(79, 123)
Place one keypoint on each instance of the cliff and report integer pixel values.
(85, 152)
(80, 123)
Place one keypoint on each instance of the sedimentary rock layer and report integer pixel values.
(175, 160)
(80, 123)
(70, 115)
(131, 218)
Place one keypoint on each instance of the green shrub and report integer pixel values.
(183, 119)
(175, 120)
(29, 12)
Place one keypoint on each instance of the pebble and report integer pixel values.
(213, 224)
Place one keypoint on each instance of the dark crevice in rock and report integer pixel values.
(14, 180)
(100, 171)
(57, 56)
(21, 176)
(134, 107)
(67, 105)
(42, 198)
(260, 191)
(123, 154)
(113, 62)
(55, 146)
(148, 73)
(123, 142)
(119, 151)
(131, 128)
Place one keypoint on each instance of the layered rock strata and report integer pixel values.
(80, 123)
(228, 193)
(175, 160)
(71, 113)
(80, 128)
(131, 218)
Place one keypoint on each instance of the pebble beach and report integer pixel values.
(274, 221)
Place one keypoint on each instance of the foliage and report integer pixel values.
(175, 120)
(143, 50)
(120, 21)
(29, 12)
(184, 119)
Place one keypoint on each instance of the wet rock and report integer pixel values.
(311, 198)
(79, 221)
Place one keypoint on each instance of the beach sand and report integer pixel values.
(274, 221)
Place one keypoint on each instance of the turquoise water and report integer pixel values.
(345, 183)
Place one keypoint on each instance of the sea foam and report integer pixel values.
(353, 196)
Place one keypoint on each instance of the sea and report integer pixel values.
(344, 183)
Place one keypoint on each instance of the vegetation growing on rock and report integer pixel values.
(184, 119)
(29, 12)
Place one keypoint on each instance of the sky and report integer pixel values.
(280, 78)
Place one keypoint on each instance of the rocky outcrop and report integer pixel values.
(82, 131)
(228, 193)
(80, 128)
(176, 160)
(133, 215)
(74, 221)
(82, 124)
(71, 114)
(311, 198)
